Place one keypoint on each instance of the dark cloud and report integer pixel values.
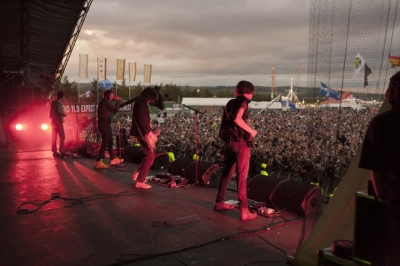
(190, 42)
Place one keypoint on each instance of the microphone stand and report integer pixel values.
(197, 112)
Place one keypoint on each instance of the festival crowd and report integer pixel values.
(309, 145)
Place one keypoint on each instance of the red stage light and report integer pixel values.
(44, 126)
(19, 127)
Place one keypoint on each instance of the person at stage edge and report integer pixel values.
(237, 150)
(108, 106)
(57, 119)
(140, 128)
(381, 155)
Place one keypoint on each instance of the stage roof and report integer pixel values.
(36, 39)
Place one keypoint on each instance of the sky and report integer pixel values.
(197, 42)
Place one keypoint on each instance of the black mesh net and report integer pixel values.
(339, 30)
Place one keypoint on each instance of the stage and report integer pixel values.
(74, 214)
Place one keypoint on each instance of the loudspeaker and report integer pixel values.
(204, 172)
(134, 154)
(370, 238)
(179, 166)
(285, 194)
(161, 160)
(88, 149)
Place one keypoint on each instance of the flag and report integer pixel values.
(83, 66)
(358, 65)
(147, 73)
(328, 92)
(101, 68)
(132, 71)
(292, 105)
(394, 61)
(366, 74)
(120, 69)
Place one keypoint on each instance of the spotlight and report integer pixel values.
(19, 127)
(44, 126)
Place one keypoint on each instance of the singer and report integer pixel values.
(108, 106)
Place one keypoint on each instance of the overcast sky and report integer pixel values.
(197, 42)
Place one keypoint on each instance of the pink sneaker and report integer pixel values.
(142, 185)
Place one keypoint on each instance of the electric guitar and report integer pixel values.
(151, 138)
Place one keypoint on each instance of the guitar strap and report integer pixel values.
(140, 132)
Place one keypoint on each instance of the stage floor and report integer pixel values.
(79, 215)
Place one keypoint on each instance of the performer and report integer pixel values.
(142, 129)
(237, 152)
(108, 106)
(381, 155)
(57, 119)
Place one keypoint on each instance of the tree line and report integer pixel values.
(93, 94)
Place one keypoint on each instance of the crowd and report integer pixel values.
(310, 145)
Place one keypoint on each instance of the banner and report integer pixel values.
(147, 73)
(101, 68)
(132, 71)
(83, 66)
(394, 61)
(120, 69)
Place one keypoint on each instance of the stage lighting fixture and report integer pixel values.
(44, 126)
(19, 127)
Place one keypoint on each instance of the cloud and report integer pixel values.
(199, 43)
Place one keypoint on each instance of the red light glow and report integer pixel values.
(44, 127)
(19, 127)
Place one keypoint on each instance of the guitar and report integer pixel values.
(151, 138)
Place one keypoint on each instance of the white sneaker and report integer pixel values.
(116, 161)
(142, 185)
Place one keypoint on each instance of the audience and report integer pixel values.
(309, 145)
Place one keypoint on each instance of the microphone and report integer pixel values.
(166, 96)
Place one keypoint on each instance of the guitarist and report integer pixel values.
(238, 151)
(142, 129)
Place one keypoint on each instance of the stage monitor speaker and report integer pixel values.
(285, 194)
(134, 154)
(161, 160)
(370, 238)
(88, 149)
(204, 172)
(260, 187)
(179, 166)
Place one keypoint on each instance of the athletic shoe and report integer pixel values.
(246, 215)
(142, 185)
(100, 165)
(219, 206)
(135, 175)
(116, 161)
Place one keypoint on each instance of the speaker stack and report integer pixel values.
(186, 167)
(285, 194)
(134, 154)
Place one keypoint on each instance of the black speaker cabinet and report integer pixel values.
(204, 172)
(369, 230)
(134, 154)
(179, 166)
(285, 194)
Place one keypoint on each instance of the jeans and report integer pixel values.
(57, 129)
(146, 162)
(237, 158)
(106, 142)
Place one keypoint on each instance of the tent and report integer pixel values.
(105, 84)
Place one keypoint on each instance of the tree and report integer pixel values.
(70, 89)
